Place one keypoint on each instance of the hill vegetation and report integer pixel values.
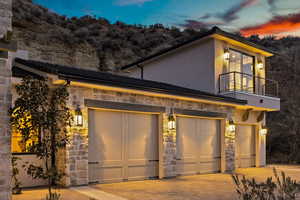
(119, 44)
(116, 44)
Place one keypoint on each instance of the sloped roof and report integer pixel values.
(107, 79)
(214, 30)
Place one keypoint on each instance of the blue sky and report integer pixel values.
(279, 17)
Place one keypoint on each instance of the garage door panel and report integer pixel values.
(110, 163)
(106, 131)
(210, 166)
(208, 158)
(142, 137)
(247, 162)
(142, 162)
(142, 140)
(186, 136)
(186, 168)
(110, 174)
(122, 146)
(142, 172)
(209, 137)
(105, 174)
(245, 146)
(199, 143)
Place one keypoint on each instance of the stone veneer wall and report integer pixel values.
(168, 163)
(229, 151)
(5, 102)
(77, 150)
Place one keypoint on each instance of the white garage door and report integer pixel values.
(122, 146)
(245, 146)
(198, 146)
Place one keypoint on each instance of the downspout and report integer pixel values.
(142, 71)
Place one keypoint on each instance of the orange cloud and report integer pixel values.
(276, 25)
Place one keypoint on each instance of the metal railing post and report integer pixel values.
(234, 82)
(220, 83)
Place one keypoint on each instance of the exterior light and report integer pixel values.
(260, 65)
(171, 121)
(226, 54)
(231, 126)
(78, 117)
(263, 131)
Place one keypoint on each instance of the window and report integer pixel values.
(242, 64)
(20, 146)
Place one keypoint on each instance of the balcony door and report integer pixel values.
(242, 64)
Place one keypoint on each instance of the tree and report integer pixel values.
(40, 114)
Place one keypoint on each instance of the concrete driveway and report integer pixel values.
(206, 187)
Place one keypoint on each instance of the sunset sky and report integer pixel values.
(264, 17)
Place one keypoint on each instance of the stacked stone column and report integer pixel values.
(168, 160)
(5, 103)
(230, 148)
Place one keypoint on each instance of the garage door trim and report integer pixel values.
(200, 114)
(123, 106)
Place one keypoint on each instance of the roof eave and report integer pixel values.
(213, 33)
(58, 76)
(246, 45)
(148, 91)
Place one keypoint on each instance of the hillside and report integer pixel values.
(100, 45)
(108, 45)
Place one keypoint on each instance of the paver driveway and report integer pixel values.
(199, 187)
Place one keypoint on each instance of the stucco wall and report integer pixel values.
(27, 180)
(197, 66)
(191, 67)
(5, 101)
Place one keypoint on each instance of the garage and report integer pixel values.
(245, 146)
(198, 145)
(122, 146)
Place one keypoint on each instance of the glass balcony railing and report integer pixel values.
(241, 82)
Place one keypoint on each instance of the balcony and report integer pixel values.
(258, 91)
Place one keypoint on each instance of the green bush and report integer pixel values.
(282, 188)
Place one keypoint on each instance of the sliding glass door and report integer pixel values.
(242, 65)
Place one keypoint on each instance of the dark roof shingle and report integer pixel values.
(107, 79)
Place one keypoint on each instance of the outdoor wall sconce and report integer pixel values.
(231, 126)
(226, 54)
(78, 117)
(171, 121)
(260, 65)
(263, 131)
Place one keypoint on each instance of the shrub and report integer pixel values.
(15, 172)
(82, 33)
(283, 188)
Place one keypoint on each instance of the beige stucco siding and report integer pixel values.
(196, 66)
(190, 67)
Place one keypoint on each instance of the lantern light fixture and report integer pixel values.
(171, 121)
(231, 126)
(260, 65)
(226, 54)
(78, 117)
(263, 131)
